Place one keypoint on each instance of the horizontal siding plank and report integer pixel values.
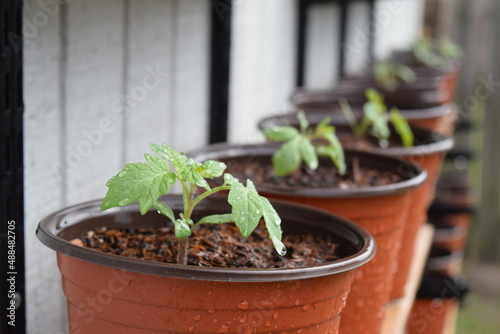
(148, 93)
(93, 81)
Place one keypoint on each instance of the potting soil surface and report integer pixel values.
(218, 245)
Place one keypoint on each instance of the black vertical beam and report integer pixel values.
(12, 273)
(343, 36)
(219, 69)
(301, 42)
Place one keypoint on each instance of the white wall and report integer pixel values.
(396, 25)
(102, 80)
(262, 74)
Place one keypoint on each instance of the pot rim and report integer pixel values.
(429, 141)
(302, 96)
(51, 226)
(225, 150)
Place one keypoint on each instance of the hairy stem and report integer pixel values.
(208, 193)
(183, 251)
(356, 171)
(349, 115)
(363, 127)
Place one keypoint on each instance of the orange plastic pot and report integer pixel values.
(435, 309)
(449, 237)
(428, 153)
(443, 261)
(435, 117)
(381, 210)
(432, 316)
(118, 295)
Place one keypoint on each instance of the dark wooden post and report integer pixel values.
(12, 279)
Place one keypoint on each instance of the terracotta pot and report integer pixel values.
(427, 153)
(114, 294)
(435, 309)
(440, 118)
(381, 210)
(453, 189)
(449, 237)
(433, 316)
(446, 77)
(443, 261)
(430, 89)
(450, 215)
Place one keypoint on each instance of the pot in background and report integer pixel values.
(428, 153)
(381, 210)
(439, 118)
(443, 261)
(435, 309)
(114, 294)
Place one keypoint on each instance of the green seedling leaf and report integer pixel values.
(281, 133)
(273, 225)
(211, 169)
(405, 73)
(183, 227)
(302, 146)
(188, 175)
(307, 152)
(375, 99)
(324, 127)
(246, 207)
(144, 182)
(387, 74)
(349, 115)
(165, 210)
(177, 159)
(402, 127)
(336, 153)
(304, 123)
(376, 118)
(379, 127)
(287, 158)
(435, 53)
(217, 219)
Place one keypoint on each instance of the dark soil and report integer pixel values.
(365, 143)
(212, 246)
(325, 176)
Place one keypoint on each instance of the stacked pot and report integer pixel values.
(381, 210)
(443, 284)
(427, 105)
(107, 293)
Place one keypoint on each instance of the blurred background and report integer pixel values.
(90, 83)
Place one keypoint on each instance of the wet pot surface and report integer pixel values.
(379, 209)
(114, 294)
(428, 152)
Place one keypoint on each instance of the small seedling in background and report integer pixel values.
(435, 53)
(146, 182)
(305, 144)
(389, 74)
(376, 120)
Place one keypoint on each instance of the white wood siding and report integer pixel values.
(396, 25)
(262, 76)
(43, 185)
(322, 47)
(102, 80)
